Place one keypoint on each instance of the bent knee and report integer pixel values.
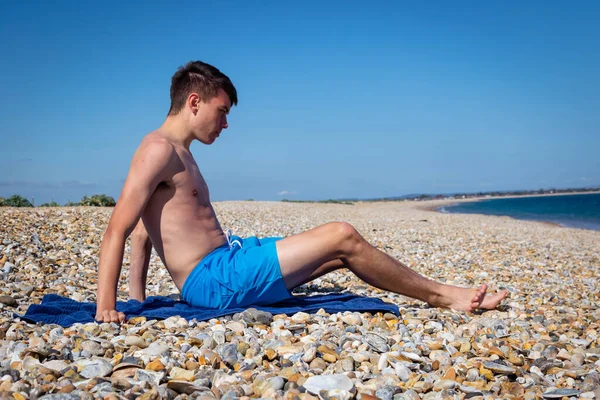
(139, 230)
(140, 237)
(346, 235)
(346, 230)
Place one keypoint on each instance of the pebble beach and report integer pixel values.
(543, 341)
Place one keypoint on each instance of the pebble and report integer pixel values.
(181, 374)
(315, 384)
(578, 359)
(8, 300)
(560, 393)
(377, 342)
(275, 383)
(351, 319)
(149, 376)
(387, 392)
(444, 384)
(94, 368)
(499, 368)
(134, 340)
(318, 363)
(542, 342)
(92, 347)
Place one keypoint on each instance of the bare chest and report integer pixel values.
(190, 185)
(186, 187)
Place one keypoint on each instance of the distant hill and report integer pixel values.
(427, 196)
(403, 197)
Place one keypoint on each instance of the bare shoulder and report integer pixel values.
(153, 145)
(151, 164)
(154, 153)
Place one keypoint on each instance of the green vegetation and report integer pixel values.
(330, 201)
(15, 201)
(51, 204)
(97, 200)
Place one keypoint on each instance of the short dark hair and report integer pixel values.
(201, 78)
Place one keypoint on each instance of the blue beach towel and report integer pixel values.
(63, 311)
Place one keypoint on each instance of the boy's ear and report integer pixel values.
(193, 102)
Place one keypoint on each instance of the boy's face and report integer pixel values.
(211, 117)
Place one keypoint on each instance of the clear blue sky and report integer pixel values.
(365, 100)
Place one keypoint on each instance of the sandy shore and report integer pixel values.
(543, 340)
(435, 205)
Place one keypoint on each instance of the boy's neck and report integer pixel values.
(176, 131)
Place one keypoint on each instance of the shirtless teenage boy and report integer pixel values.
(165, 203)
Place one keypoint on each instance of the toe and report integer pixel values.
(476, 301)
(483, 289)
(492, 301)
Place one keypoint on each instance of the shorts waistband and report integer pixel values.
(232, 240)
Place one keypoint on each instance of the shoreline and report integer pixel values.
(474, 199)
(444, 202)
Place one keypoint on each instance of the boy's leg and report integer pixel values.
(308, 255)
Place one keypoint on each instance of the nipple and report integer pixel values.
(194, 192)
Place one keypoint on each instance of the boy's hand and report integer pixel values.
(110, 316)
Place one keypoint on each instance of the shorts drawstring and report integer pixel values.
(230, 242)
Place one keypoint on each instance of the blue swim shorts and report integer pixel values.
(241, 273)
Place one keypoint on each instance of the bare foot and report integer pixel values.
(470, 299)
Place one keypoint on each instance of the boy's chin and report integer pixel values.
(207, 141)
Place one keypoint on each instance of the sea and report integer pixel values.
(570, 210)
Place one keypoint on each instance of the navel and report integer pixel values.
(194, 192)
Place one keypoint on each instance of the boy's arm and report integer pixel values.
(139, 260)
(148, 169)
